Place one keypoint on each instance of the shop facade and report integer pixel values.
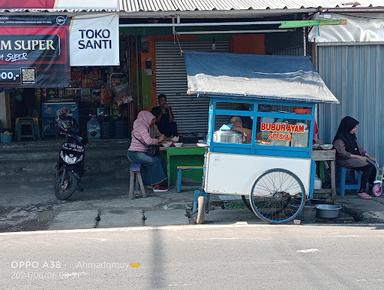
(82, 76)
(350, 60)
(151, 44)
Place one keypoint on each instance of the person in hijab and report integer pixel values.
(152, 168)
(351, 155)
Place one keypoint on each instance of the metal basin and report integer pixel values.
(328, 211)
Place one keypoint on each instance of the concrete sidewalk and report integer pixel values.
(362, 210)
(105, 204)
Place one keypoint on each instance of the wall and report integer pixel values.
(250, 43)
(355, 75)
(285, 43)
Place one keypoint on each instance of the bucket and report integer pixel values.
(308, 215)
(6, 138)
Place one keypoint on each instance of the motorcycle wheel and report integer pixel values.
(65, 189)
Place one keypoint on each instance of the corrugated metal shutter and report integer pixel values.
(295, 51)
(191, 113)
(355, 75)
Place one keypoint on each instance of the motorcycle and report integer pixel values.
(70, 166)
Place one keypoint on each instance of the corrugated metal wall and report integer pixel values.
(355, 74)
(191, 113)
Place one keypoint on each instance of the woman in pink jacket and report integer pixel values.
(152, 168)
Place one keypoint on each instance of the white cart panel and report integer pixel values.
(236, 173)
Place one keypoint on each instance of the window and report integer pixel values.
(234, 106)
(284, 109)
(282, 132)
(233, 129)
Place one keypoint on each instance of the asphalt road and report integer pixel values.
(196, 257)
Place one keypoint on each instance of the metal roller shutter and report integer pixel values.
(191, 113)
(354, 73)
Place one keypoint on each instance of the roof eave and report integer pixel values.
(216, 13)
(160, 14)
(353, 10)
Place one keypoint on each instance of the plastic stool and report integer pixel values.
(134, 178)
(180, 170)
(343, 184)
(32, 123)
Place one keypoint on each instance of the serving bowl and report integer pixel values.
(328, 211)
(179, 144)
(326, 146)
(315, 146)
(166, 144)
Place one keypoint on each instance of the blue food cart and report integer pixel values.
(261, 126)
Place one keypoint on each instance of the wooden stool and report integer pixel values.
(135, 179)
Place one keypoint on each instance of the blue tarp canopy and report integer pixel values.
(290, 78)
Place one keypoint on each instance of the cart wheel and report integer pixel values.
(277, 196)
(246, 202)
(201, 201)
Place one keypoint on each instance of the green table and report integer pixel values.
(184, 156)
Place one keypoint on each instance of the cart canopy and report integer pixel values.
(290, 78)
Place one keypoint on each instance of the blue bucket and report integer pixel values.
(5, 138)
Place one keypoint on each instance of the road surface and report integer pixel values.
(196, 257)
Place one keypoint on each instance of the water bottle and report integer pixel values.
(93, 128)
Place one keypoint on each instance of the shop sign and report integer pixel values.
(34, 51)
(94, 40)
(281, 131)
(283, 127)
(60, 4)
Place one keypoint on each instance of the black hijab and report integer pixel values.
(343, 133)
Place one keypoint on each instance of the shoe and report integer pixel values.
(159, 188)
(364, 195)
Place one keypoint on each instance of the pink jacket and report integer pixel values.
(141, 131)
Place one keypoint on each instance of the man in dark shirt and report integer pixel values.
(165, 120)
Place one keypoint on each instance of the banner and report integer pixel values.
(368, 27)
(59, 4)
(94, 40)
(34, 51)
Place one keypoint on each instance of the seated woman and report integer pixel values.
(152, 168)
(237, 125)
(351, 155)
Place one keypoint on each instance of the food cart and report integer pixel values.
(268, 155)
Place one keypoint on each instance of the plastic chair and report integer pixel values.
(34, 128)
(134, 178)
(345, 182)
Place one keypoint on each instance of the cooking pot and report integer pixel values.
(227, 136)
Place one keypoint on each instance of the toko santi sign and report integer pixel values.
(94, 40)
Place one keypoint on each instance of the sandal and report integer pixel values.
(364, 195)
